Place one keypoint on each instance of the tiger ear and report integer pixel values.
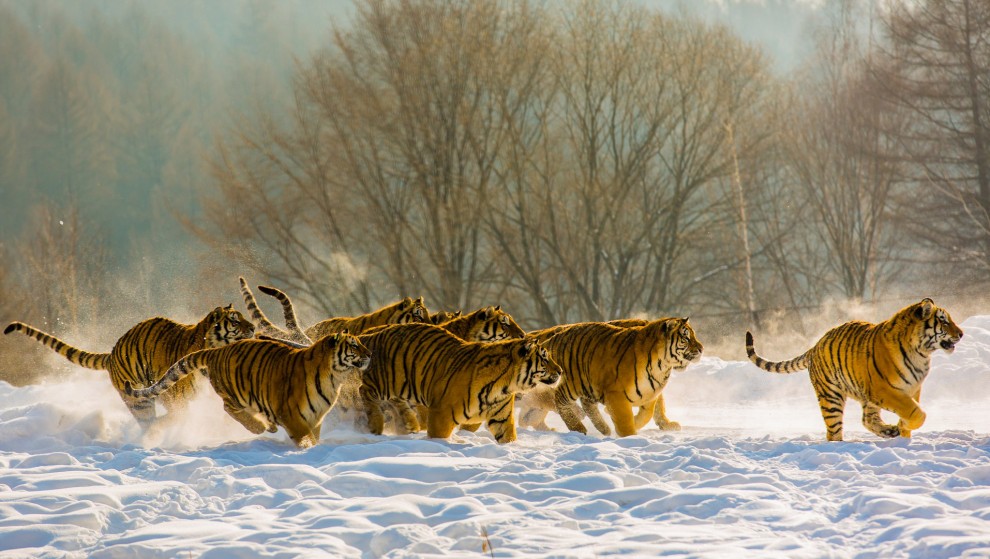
(925, 309)
(498, 307)
(526, 348)
(406, 303)
(487, 314)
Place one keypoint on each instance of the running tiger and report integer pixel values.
(881, 365)
(462, 383)
(535, 405)
(265, 383)
(402, 312)
(621, 367)
(143, 354)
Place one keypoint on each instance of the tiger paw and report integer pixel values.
(890, 431)
(669, 426)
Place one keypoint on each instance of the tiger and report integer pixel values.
(440, 317)
(621, 367)
(143, 354)
(535, 405)
(264, 326)
(487, 324)
(401, 312)
(462, 383)
(265, 384)
(880, 365)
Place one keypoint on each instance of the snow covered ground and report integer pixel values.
(749, 476)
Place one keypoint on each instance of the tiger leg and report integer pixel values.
(502, 422)
(872, 421)
(910, 413)
(590, 408)
(373, 410)
(143, 410)
(410, 421)
(300, 432)
(246, 418)
(644, 414)
(661, 419)
(917, 398)
(620, 410)
(832, 403)
(569, 412)
(422, 415)
(441, 423)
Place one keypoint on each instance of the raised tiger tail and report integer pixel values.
(291, 323)
(179, 370)
(790, 366)
(257, 316)
(95, 361)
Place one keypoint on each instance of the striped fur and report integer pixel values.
(487, 324)
(143, 354)
(462, 383)
(880, 365)
(265, 327)
(535, 404)
(621, 367)
(265, 384)
(401, 312)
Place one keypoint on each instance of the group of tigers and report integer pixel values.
(447, 370)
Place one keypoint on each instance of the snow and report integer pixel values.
(749, 476)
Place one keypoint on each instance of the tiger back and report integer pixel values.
(880, 365)
(460, 382)
(620, 367)
(401, 312)
(265, 384)
(487, 324)
(143, 354)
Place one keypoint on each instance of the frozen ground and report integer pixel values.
(749, 476)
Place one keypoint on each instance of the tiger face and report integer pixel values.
(350, 353)
(938, 331)
(683, 347)
(228, 326)
(497, 325)
(538, 367)
(412, 310)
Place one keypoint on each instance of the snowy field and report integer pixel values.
(749, 476)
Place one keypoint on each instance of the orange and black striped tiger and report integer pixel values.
(401, 312)
(143, 354)
(462, 383)
(880, 365)
(621, 367)
(440, 317)
(266, 383)
(535, 404)
(487, 324)
(264, 326)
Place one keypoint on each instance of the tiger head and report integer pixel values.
(440, 317)
(681, 345)
(348, 352)
(410, 310)
(494, 324)
(227, 326)
(538, 367)
(937, 329)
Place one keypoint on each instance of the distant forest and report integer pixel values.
(568, 160)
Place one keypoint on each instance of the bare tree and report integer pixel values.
(840, 153)
(935, 66)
